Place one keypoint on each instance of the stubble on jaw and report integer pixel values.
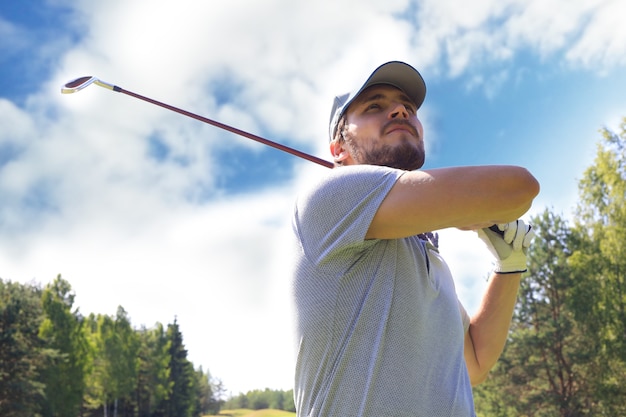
(405, 155)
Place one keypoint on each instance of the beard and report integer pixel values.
(405, 155)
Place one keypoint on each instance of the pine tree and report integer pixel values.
(153, 384)
(21, 351)
(180, 402)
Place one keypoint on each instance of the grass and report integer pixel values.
(254, 413)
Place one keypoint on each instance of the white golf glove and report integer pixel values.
(509, 243)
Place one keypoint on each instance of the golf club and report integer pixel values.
(82, 82)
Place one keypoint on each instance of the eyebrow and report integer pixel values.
(380, 96)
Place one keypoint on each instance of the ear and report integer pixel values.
(338, 151)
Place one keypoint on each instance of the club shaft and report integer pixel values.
(229, 128)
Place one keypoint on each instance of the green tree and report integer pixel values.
(261, 399)
(153, 384)
(62, 330)
(207, 394)
(566, 353)
(238, 401)
(541, 372)
(124, 351)
(21, 350)
(182, 378)
(94, 381)
(289, 404)
(114, 375)
(219, 394)
(601, 256)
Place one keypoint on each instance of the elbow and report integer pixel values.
(525, 188)
(527, 185)
(532, 185)
(476, 380)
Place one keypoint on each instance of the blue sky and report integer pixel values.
(165, 216)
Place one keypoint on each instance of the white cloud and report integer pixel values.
(547, 26)
(17, 125)
(603, 43)
(482, 38)
(123, 227)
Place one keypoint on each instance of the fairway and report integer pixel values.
(254, 413)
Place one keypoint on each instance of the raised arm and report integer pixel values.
(489, 327)
(461, 197)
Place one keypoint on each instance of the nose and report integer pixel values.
(398, 111)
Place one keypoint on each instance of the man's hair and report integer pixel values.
(339, 133)
(341, 125)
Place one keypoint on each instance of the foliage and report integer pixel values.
(263, 399)
(55, 362)
(181, 378)
(22, 353)
(153, 372)
(62, 331)
(256, 413)
(208, 394)
(116, 347)
(541, 372)
(600, 262)
(566, 354)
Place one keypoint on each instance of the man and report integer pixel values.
(380, 330)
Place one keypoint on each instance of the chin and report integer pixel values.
(412, 165)
(405, 156)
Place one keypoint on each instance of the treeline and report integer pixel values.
(262, 399)
(566, 354)
(55, 362)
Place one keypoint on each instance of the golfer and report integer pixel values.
(380, 330)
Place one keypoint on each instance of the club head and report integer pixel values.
(82, 82)
(77, 84)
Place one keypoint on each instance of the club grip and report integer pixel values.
(495, 229)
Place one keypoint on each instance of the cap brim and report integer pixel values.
(400, 75)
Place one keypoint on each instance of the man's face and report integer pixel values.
(382, 128)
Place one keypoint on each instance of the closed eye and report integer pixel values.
(377, 101)
(410, 108)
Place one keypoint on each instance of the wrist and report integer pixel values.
(514, 263)
(509, 273)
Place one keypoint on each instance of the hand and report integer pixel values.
(509, 243)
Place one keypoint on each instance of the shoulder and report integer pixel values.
(345, 195)
(354, 176)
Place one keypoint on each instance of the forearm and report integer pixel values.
(489, 327)
(422, 201)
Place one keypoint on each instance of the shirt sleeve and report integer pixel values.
(335, 214)
(465, 317)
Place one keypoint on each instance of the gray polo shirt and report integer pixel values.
(380, 329)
